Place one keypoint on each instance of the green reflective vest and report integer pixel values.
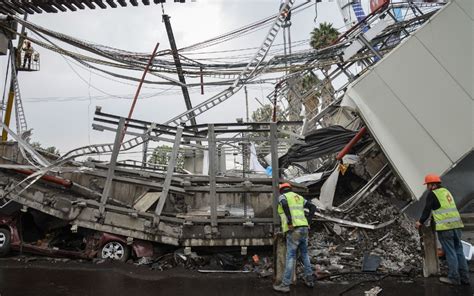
(447, 216)
(296, 205)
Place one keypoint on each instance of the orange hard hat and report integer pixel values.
(285, 185)
(432, 178)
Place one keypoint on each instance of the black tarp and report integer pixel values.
(319, 143)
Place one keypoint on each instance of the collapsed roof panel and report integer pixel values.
(417, 102)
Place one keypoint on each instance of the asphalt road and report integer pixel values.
(38, 278)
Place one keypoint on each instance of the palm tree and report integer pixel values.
(323, 36)
(311, 102)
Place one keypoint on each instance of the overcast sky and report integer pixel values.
(67, 124)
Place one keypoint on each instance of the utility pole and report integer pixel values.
(11, 93)
(286, 31)
(179, 68)
(246, 103)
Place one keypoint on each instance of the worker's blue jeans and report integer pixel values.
(297, 239)
(451, 242)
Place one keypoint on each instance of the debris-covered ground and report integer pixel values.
(396, 247)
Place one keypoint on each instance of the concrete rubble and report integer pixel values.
(333, 248)
(336, 247)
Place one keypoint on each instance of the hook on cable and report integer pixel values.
(316, 11)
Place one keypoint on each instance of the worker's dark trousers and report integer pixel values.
(451, 242)
(27, 59)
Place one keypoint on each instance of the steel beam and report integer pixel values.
(32, 7)
(111, 3)
(154, 138)
(58, 5)
(68, 5)
(212, 174)
(47, 8)
(234, 189)
(122, 3)
(169, 174)
(14, 7)
(366, 42)
(100, 4)
(275, 171)
(78, 4)
(149, 184)
(113, 164)
(179, 67)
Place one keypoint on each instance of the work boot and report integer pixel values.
(281, 288)
(309, 282)
(449, 281)
(465, 282)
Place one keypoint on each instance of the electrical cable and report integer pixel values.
(89, 107)
(139, 59)
(242, 49)
(5, 84)
(96, 98)
(171, 81)
(137, 67)
(238, 31)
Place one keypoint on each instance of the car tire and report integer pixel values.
(5, 240)
(115, 251)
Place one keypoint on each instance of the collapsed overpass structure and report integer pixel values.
(198, 207)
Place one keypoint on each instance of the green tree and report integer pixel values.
(161, 155)
(36, 145)
(309, 81)
(323, 36)
(265, 114)
(311, 100)
(51, 149)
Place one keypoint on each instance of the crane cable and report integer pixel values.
(6, 80)
(315, 11)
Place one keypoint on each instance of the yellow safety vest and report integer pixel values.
(447, 216)
(296, 205)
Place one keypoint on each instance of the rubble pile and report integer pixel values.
(260, 264)
(337, 248)
(333, 248)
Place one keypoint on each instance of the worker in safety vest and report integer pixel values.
(286, 13)
(448, 222)
(28, 49)
(295, 225)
